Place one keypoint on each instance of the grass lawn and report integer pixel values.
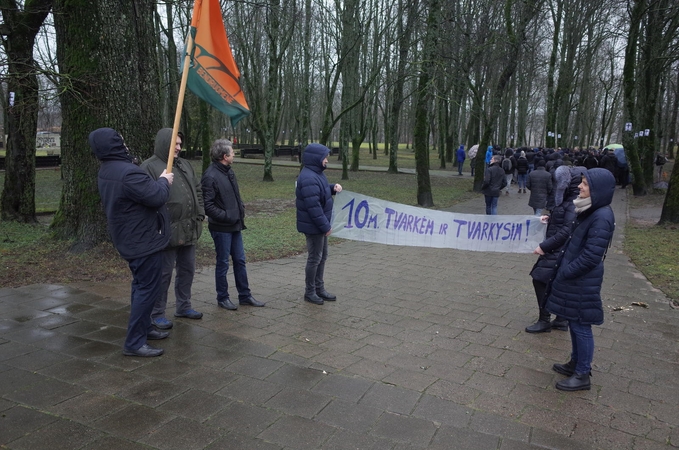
(28, 254)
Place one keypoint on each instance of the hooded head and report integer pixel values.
(161, 146)
(562, 178)
(313, 156)
(601, 186)
(108, 145)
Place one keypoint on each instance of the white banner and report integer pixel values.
(362, 218)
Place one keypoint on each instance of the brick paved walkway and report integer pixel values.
(424, 348)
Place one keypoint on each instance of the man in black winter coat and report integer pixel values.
(494, 181)
(225, 211)
(139, 226)
(540, 186)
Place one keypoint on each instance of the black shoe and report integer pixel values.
(577, 382)
(226, 304)
(189, 314)
(539, 327)
(156, 335)
(144, 351)
(315, 299)
(251, 301)
(567, 369)
(560, 324)
(327, 296)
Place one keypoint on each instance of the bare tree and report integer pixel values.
(19, 31)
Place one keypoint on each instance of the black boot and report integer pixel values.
(567, 369)
(577, 382)
(542, 325)
(560, 324)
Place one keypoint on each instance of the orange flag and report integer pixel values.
(213, 75)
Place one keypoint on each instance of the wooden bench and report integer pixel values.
(292, 151)
(40, 161)
(48, 161)
(246, 151)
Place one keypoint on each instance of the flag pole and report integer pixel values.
(180, 101)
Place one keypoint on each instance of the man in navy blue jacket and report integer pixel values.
(314, 215)
(139, 227)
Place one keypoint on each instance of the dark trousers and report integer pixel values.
(184, 257)
(540, 290)
(146, 275)
(317, 246)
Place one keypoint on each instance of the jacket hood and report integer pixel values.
(601, 186)
(313, 157)
(562, 176)
(108, 145)
(162, 144)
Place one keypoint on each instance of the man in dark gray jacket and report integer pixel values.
(186, 222)
(539, 184)
(225, 211)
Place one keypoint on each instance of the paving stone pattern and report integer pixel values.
(424, 348)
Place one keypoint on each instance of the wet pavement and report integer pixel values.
(424, 348)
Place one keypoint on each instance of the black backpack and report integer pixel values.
(507, 165)
(660, 160)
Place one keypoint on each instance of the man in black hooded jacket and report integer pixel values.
(138, 223)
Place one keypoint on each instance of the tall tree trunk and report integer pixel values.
(423, 103)
(629, 87)
(672, 129)
(107, 57)
(18, 195)
(405, 37)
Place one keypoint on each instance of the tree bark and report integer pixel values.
(422, 105)
(109, 78)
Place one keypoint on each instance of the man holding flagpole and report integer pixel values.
(139, 226)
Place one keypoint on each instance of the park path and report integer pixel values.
(424, 348)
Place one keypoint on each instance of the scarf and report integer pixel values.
(582, 204)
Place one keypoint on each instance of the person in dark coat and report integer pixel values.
(494, 181)
(590, 161)
(540, 185)
(186, 222)
(226, 214)
(460, 159)
(575, 292)
(522, 170)
(609, 161)
(560, 222)
(139, 227)
(314, 214)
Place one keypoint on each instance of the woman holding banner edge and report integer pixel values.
(575, 292)
(314, 219)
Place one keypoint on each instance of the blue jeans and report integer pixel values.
(459, 166)
(317, 246)
(230, 244)
(521, 178)
(491, 205)
(582, 343)
(146, 284)
(537, 211)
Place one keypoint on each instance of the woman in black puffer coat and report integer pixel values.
(575, 292)
(558, 230)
